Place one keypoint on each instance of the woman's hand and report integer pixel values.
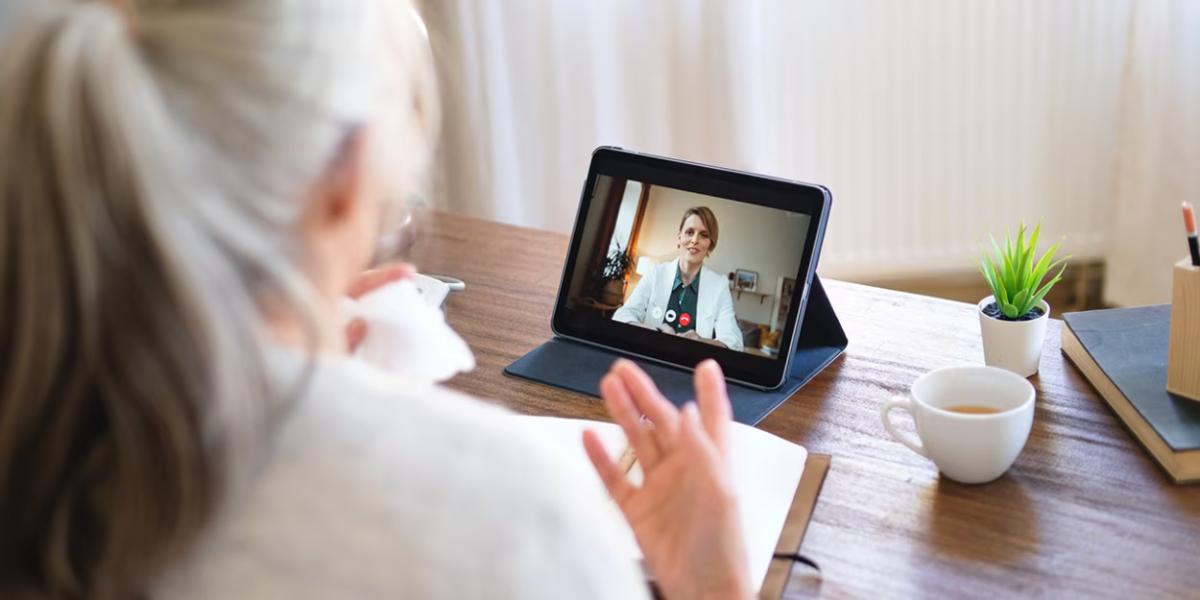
(356, 329)
(684, 515)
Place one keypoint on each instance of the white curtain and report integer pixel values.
(1159, 152)
(934, 122)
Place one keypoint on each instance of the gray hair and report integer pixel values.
(154, 158)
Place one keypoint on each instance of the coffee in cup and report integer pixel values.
(972, 409)
(972, 421)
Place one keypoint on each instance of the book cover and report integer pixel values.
(1122, 352)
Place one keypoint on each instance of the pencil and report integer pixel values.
(1189, 223)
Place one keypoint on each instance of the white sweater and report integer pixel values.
(378, 487)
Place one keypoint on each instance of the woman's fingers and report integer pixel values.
(614, 479)
(379, 277)
(629, 393)
(691, 428)
(648, 399)
(713, 398)
(356, 331)
(620, 406)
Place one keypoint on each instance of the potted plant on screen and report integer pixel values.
(1013, 319)
(612, 276)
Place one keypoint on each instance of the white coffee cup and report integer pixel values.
(971, 448)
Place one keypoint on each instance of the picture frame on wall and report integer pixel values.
(745, 280)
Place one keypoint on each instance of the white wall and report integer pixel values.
(1159, 164)
(765, 240)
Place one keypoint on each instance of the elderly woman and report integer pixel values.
(683, 297)
(188, 188)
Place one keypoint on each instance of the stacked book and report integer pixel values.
(1123, 352)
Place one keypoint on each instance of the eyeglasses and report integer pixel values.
(400, 230)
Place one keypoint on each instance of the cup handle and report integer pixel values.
(904, 404)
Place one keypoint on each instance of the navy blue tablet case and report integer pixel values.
(575, 366)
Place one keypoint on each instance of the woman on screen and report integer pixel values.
(683, 296)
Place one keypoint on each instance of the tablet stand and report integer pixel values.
(578, 367)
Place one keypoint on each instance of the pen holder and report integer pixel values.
(1183, 357)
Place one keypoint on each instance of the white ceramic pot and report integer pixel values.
(1013, 345)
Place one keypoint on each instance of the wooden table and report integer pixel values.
(1084, 512)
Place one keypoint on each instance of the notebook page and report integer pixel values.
(564, 437)
(766, 472)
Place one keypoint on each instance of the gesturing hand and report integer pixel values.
(356, 329)
(684, 515)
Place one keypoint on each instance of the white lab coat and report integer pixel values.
(715, 318)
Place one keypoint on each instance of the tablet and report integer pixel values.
(677, 262)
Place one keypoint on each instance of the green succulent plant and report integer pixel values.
(616, 264)
(1015, 276)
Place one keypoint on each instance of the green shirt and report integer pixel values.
(681, 306)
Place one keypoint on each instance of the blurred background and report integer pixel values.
(934, 123)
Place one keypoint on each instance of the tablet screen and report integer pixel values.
(664, 266)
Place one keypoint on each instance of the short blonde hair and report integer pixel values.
(708, 218)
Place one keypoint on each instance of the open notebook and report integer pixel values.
(766, 471)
